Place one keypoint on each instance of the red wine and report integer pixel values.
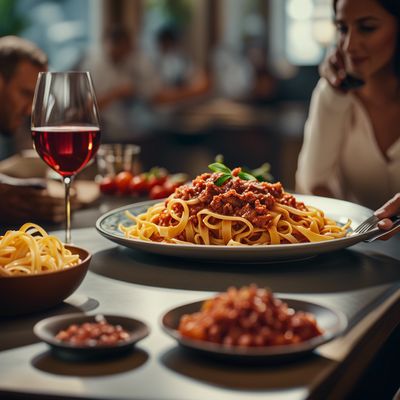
(66, 149)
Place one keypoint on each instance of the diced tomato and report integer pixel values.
(108, 185)
(123, 182)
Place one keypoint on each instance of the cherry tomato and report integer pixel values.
(108, 185)
(155, 180)
(123, 182)
(158, 192)
(156, 176)
(138, 184)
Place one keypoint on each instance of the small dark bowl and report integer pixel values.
(48, 328)
(25, 294)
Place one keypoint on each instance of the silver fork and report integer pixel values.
(370, 224)
(366, 225)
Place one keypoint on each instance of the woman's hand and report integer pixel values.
(333, 70)
(389, 209)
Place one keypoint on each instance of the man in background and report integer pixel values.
(20, 63)
(21, 200)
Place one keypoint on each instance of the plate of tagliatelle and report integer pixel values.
(252, 324)
(234, 217)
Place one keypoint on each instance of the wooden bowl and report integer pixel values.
(25, 294)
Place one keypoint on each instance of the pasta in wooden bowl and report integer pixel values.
(37, 271)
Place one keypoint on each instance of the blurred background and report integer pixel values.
(189, 79)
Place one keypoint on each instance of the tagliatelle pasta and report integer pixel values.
(30, 250)
(239, 212)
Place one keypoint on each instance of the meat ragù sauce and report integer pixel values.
(251, 200)
(249, 317)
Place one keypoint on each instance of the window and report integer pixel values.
(63, 29)
(306, 31)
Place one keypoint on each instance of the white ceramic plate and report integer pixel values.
(338, 210)
(332, 322)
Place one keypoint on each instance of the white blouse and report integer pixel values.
(340, 151)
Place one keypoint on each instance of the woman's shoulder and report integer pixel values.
(331, 97)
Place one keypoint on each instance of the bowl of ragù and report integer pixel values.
(252, 324)
(37, 271)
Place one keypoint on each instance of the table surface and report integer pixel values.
(362, 281)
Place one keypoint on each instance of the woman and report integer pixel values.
(351, 146)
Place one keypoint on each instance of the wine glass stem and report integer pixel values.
(67, 184)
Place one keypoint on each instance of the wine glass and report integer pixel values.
(65, 126)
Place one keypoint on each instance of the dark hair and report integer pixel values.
(168, 33)
(13, 50)
(117, 34)
(392, 7)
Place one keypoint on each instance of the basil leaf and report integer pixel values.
(245, 176)
(219, 158)
(262, 170)
(222, 179)
(260, 178)
(218, 167)
(262, 173)
(267, 177)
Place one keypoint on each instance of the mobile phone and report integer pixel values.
(351, 82)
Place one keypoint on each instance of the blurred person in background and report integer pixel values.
(123, 77)
(131, 86)
(351, 146)
(244, 74)
(233, 73)
(20, 63)
(21, 200)
(264, 85)
(174, 67)
(179, 78)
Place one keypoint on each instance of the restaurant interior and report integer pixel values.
(251, 67)
(210, 81)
